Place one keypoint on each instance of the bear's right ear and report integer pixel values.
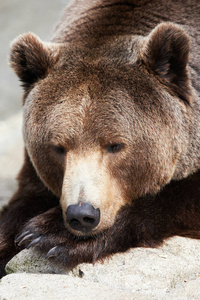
(32, 59)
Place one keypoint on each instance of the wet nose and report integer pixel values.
(82, 217)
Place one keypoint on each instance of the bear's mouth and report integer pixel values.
(84, 233)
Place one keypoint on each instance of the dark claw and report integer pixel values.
(51, 253)
(27, 237)
(19, 237)
(19, 241)
(34, 242)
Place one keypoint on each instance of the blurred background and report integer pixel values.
(18, 17)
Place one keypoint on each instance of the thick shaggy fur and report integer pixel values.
(111, 118)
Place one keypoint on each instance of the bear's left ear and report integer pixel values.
(32, 59)
(166, 53)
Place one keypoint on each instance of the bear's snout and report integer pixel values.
(82, 217)
(91, 197)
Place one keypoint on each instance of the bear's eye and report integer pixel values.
(114, 148)
(59, 150)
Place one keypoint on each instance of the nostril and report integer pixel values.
(82, 217)
(74, 222)
(89, 220)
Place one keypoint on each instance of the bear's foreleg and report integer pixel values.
(48, 234)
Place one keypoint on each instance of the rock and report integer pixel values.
(29, 261)
(167, 272)
(51, 287)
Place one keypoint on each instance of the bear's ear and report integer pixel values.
(32, 59)
(166, 53)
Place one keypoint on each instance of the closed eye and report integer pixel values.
(114, 148)
(59, 150)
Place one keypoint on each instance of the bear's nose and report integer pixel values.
(82, 217)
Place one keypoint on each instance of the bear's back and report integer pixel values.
(94, 23)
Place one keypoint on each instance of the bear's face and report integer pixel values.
(102, 132)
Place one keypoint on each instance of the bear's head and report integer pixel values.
(106, 126)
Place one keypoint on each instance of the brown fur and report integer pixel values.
(111, 118)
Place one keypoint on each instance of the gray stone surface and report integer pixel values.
(42, 287)
(170, 272)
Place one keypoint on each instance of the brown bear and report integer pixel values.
(111, 131)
